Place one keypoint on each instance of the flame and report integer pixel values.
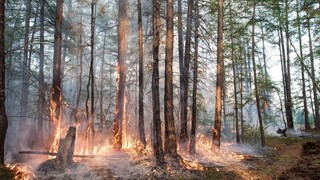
(56, 123)
(21, 172)
(193, 165)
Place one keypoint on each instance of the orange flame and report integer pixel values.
(56, 122)
(21, 172)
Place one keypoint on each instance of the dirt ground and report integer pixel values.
(282, 158)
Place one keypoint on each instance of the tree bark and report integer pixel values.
(157, 143)
(41, 86)
(121, 69)
(219, 82)
(192, 143)
(184, 99)
(288, 74)
(170, 135)
(141, 79)
(3, 115)
(56, 98)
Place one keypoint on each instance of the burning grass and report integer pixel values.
(17, 172)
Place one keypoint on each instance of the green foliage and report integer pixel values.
(251, 134)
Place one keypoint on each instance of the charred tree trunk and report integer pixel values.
(141, 110)
(157, 139)
(192, 143)
(170, 135)
(121, 69)
(3, 115)
(56, 98)
(181, 60)
(219, 83)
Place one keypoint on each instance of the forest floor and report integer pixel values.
(292, 157)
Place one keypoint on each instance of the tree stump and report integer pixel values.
(66, 148)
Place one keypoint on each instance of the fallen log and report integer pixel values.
(53, 154)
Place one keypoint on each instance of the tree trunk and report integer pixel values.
(170, 135)
(288, 74)
(141, 110)
(157, 143)
(56, 99)
(313, 77)
(219, 83)
(121, 69)
(184, 99)
(3, 115)
(192, 143)
(234, 77)
(181, 60)
(41, 87)
(257, 95)
(304, 96)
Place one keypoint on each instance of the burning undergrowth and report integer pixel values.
(135, 162)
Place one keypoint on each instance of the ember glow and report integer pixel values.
(21, 172)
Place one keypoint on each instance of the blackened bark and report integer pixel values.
(121, 69)
(216, 131)
(141, 110)
(3, 115)
(157, 143)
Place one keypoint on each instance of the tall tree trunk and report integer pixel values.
(192, 143)
(181, 60)
(257, 95)
(304, 96)
(234, 76)
(121, 69)
(41, 87)
(91, 74)
(25, 70)
(141, 110)
(157, 139)
(288, 74)
(241, 94)
(3, 115)
(170, 135)
(313, 77)
(56, 98)
(219, 83)
(184, 99)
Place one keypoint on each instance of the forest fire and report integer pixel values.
(21, 172)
